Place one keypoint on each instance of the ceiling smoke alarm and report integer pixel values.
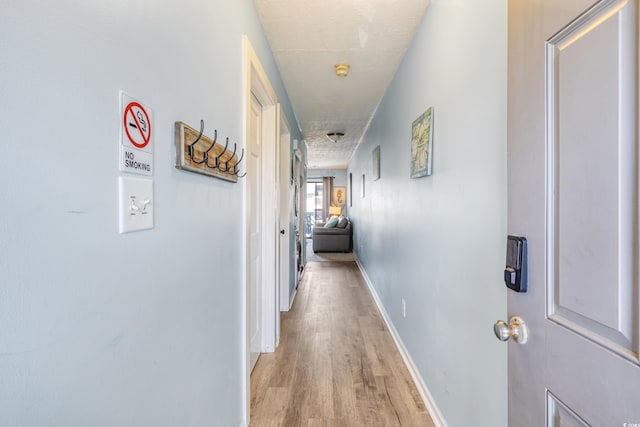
(342, 70)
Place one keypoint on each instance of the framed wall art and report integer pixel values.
(339, 196)
(422, 145)
(350, 195)
(376, 163)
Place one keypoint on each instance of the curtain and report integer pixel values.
(327, 191)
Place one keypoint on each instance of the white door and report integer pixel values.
(286, 172)
(254, 230)
(573, 193)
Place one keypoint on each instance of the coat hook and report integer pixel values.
(197, 139)
(220, 155)
(236, 172)
(235, 167)
(217, 163)
(215, 138)
(235, 147)
(205, 155)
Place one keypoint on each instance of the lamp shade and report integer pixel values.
(335, 210)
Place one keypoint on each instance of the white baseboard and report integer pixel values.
(427, 398)
(288, 304)
(293, 296)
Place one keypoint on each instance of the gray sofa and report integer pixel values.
(332, 239)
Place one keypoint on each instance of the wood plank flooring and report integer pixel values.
(337, 364)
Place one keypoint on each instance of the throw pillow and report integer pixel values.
(342, 223)
(332, 222)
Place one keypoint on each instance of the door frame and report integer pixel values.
(257, 84)
(285, 218)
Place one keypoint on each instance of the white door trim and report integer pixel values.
(257, 83)
(286, 217)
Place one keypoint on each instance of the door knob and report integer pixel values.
(516, 329)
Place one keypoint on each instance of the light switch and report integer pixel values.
(136, 204)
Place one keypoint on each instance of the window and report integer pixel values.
(314, 206)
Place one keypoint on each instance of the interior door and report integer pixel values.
(254, 229)
(573, 193)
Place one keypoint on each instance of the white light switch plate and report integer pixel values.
(136, 204)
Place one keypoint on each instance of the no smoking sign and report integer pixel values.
(137, 125)
(136, 132)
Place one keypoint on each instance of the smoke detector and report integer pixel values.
(342, 69)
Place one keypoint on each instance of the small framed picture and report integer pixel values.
(350, 189)
(339, 196)
(376, 163)
(422, 145)
(362, 187)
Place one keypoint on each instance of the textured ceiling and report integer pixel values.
(308, 37)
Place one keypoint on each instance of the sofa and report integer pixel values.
(333, 239)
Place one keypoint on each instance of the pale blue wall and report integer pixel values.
(97, 328)
(439, 242)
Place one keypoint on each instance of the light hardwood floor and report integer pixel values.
(337, 364)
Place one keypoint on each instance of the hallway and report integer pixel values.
(336, 363)
(153, 327)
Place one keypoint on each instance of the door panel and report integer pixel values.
(559, 415)
(573, 192)
(591, 231)
(598, 385)
(588, 171)
(254, 229)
